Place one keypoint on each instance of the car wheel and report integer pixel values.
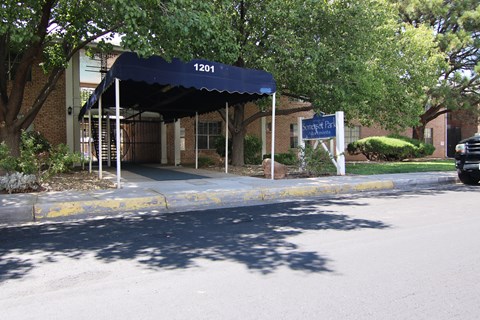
(467, 178)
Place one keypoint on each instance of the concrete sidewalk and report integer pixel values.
(142, 195)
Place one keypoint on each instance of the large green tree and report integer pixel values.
(351, 55)
(455, 25)
(50, 32)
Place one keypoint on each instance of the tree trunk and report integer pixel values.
(11, 137)
(238, 136)
(238, 154)
(419, 132)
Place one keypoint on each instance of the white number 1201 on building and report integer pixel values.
(204, 67)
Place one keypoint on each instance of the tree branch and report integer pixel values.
(433, 113)
(296, 96)
(282, 112)
(84, 43)
(31, 113)
(437, 114)
(54, 76)
(18, 87)
(469, 83)
(231, 126)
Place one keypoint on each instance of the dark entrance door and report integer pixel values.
(141, 141)
(454, 135)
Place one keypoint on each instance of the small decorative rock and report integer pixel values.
(280, 169)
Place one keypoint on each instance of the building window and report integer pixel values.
(182, 139)
(208, 133)
(351, 134)
(293, 135)
(85, 94)
(428, 135)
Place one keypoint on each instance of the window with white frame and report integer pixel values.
(293, 135)
(428, 135)
(208, 133)
(182, 139)
(351, 134)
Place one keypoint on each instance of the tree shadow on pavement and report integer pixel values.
(258, 237)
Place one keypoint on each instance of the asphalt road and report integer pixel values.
(389, 255)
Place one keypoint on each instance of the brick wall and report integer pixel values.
(50, 121)
(465, 120)
(282, 126)
(282, 140)
(439, 136)
(188, 155)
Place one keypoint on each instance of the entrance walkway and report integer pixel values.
(135, 173)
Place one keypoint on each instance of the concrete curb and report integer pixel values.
(17, 208)
(44, 211)
(186, 200)
(26, 208)
(86, 205)
(410, 183)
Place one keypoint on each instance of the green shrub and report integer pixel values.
(205, 162)
(34, 152)
(421, 149)
(36, 142)
(220, 146)
(37, 159)
(61, 160)
(382, 148)
(7, 162)
(316, 161)
(289, 159)
(253, 150)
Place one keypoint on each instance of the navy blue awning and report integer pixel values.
(177, 89)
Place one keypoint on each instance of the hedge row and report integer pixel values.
(390, 148)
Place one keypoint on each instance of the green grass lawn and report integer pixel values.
(368, 168)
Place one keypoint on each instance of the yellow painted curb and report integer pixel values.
(218, 198)
(374, 185)
(68, 209)
(305, 191)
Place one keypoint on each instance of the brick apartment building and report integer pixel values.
(438, 132)
(155, 142)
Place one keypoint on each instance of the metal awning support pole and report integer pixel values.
(90, 153)
(117, 125)
(82, 142)
(263, 129)
(109, 141)
(226, 137)
(273, 139)
(163, 137)
(100, 146)
(176, 136)
(196, 140)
